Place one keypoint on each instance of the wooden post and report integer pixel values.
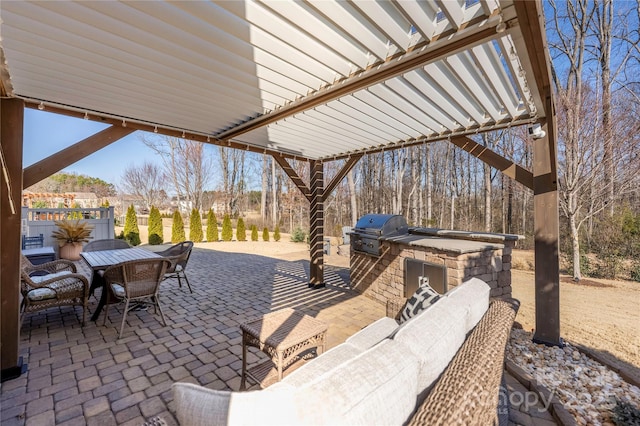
(316, 222)
(546, 223)
(11, 128)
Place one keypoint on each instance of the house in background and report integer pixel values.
(122, 202)
(47, 200)
(86, 200)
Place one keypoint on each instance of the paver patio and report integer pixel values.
(85, 375)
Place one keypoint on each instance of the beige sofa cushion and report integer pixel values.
(434, 336)
(375, 387)
(473, 293)
(373, 334)
(378, 386)
(320, 365)
(199, 406)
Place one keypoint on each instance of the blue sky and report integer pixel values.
(47, 133)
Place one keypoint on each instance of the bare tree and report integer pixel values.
(232, 167)
(186, 165)
(352, 197)
(265, 186)
(145, 181)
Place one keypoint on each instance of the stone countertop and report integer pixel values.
(465, 235)
(458, 246)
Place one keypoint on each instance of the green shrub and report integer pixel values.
(276, 233)
(177, 230)
(131, 221)
(76, 215)
(265, 234)
(195, 227)
(156, 236)
(241, 230)
(133, 238)
(298, 235)
(212, 226)
(131, 231)
(254, 233)
(120, 236)
(227, 230)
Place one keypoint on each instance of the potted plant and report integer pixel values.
(70, 236)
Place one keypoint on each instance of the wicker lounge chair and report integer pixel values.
(135, 281)
(178, 255)
(52, 284)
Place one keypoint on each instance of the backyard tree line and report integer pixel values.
(596, 64)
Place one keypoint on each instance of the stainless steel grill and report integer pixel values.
(371, 228)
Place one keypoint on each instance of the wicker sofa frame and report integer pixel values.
(468, 391)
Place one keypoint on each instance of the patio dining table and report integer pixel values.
(101, 260)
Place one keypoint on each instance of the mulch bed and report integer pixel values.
(584, 282)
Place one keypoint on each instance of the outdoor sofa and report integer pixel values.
(443, 366)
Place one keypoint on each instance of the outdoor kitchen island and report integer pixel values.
(445, 257)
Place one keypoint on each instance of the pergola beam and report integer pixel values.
(61, 159)
(351, 162)
(495, 160)
(297, 180)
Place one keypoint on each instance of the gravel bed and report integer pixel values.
(586, 388)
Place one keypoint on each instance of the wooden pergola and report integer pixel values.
(315, 81)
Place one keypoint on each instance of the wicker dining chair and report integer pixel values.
(135, 281)
(178, 255)
(106, 244)
(100, 245)
(52, 284)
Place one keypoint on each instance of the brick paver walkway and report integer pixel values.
(85, 375)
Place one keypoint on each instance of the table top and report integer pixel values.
(284, 328)
(104, 258)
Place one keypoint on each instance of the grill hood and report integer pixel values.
(382, 224)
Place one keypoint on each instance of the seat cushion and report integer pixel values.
(376, 387)
(379, 386)
(40, 294)
(199, 406)
(118, 290)
(473, 293)
(434, 336)
(325, 362)
(373, 334)
(40, 278)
